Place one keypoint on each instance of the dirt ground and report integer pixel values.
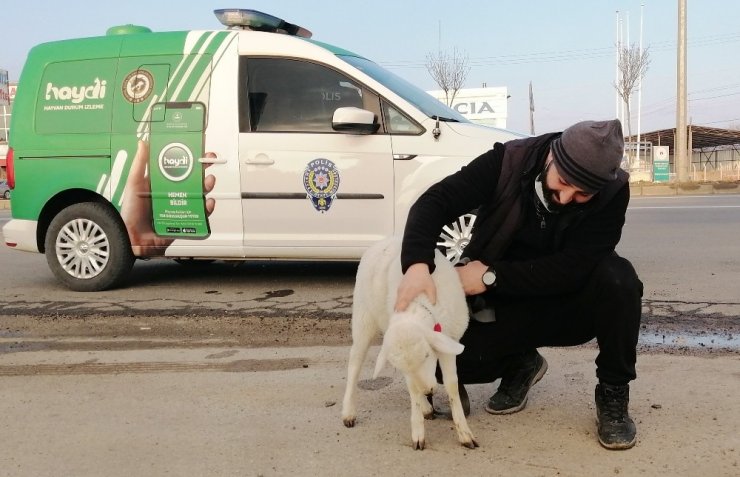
(275, 411)
(197, 394)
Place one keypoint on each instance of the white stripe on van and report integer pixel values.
(142, 131)
(101, 185)
(117, 170)
(193, 63)
(220, 52)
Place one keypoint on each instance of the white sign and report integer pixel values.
(4, 88)
(660, 153)
(481, 105)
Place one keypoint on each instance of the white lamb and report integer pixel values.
(413, 340)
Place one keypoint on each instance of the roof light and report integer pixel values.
(127, 30)
(237, 18)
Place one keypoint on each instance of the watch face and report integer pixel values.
(489, 278)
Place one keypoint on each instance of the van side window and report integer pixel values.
(286, 95)
(397, 123)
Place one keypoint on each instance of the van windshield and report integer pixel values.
(421, 99)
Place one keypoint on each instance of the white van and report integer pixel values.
(314, 152)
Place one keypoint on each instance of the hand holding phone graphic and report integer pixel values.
(178, 203)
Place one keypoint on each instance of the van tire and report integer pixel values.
(101, 259)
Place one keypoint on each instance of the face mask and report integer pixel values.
(544, 193)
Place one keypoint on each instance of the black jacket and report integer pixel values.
(528, 259)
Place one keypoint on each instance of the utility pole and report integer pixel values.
(680, 155)
(531, 110)
(639, 96)
(618, 100)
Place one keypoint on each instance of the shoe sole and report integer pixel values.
(540, 373)
(617, 445)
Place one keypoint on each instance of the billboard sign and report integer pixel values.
(4, 88)
(481, 105)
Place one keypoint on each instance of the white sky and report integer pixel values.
(566, 47)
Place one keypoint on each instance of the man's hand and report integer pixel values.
(415, 281)
(471, 277)
(136, 209)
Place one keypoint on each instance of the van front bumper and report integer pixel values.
(21, 235)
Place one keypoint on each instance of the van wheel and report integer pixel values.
(87, 247)
(455, 237)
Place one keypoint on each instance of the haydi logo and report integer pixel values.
(175, 161)
(76, 94)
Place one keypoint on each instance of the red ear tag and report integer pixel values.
(438, 328)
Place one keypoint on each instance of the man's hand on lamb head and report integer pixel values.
(415, 281)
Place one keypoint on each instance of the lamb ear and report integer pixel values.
(380, 362)
(442, 343)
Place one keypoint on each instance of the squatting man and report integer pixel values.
(541, 267)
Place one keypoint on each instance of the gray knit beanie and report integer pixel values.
(588, 154)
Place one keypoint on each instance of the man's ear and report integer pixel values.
(442, 343)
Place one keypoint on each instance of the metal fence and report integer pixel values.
(716, 165)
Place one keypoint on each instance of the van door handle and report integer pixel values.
(260, 159)
(212, 160)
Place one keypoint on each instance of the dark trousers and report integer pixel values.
(608, 308)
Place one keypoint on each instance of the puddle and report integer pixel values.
(692, 341)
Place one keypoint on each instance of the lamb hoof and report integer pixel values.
(470, 445)
(430, 416)
(418, 445)
(349, 421)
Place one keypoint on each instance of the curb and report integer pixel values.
(672, 189)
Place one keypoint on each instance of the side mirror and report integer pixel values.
(354, 121)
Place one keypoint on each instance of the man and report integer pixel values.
(540, 269)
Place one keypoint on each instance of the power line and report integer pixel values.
(720, 121)
(569, 55)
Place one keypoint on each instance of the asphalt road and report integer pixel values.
(684, 247)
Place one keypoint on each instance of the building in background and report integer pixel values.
(4, 104)
(7, 94)
(485, 105)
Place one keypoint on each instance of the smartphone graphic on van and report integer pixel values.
(176, 143)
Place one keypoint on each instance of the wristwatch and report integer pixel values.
(489, 277)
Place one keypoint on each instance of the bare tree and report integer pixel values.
(449, 70)
(633, 64)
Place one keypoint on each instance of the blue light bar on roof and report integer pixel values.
(237, 18)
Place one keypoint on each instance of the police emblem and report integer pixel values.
(137, 86)
(321, 181)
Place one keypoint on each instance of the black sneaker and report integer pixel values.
(516, 382)
(616, 428)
